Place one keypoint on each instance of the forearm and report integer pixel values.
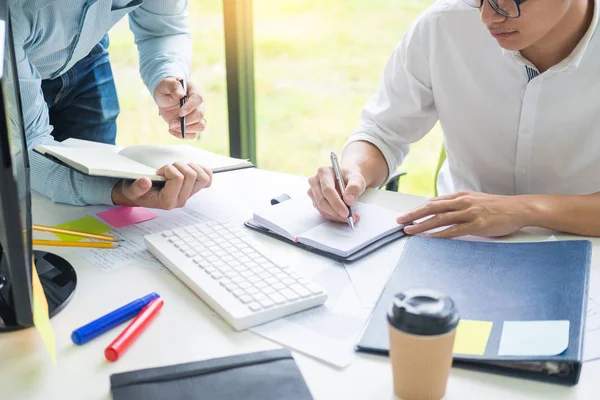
(366, 158)
(64, 185)
(576, 214)
(163, 39)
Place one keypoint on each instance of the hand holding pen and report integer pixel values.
(333, 201)
(181, 106)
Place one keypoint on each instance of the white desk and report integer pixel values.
(186, 329)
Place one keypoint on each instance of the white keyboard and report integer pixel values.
(233, 274)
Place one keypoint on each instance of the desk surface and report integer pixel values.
(187, 330)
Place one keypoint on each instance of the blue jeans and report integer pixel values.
(83, 102)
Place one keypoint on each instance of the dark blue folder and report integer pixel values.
(497, 282)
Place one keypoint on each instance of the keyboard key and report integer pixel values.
(289, 294)
(277, 298)
(259, 296)
(167, 234)
(252, 291)
(266, 303)
(254, 279)
(261, 284)
(216, 274)
(190, 253)
(314, 289)
(301, 290)
(254, 306)
(245, 299)
(244, 285)
(268, 290)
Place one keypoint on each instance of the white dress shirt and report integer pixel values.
(506, 128)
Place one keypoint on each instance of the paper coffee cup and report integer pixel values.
(422, 327)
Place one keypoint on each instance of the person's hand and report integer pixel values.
(167, 93)
(183, 181)
(468, 213)
(325, 195)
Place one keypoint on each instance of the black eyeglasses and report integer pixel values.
(508, 8)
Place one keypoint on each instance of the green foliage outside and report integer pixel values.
(316, 64)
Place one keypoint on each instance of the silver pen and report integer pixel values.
(340, 181)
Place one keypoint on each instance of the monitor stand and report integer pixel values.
(58, 278)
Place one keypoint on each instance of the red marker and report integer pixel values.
(133, 330)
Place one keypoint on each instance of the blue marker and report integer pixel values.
(110, 320)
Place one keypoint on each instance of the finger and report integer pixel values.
(137, 189)
(438, 221)
(191, 135)
(210, 175)
(193, 102)
(355, 186)
(429, 208)
(326, 215)
(455, 231)
(189, 128)
(450, 196)
(330, 194)
(321, 202)
(173, 87)
(169, 194)
(193, 118)
(189, 180)
(203, 179)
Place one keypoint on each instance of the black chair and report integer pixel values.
(393, 182)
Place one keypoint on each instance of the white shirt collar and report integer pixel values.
(573, 59)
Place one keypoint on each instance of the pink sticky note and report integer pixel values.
(125, 216)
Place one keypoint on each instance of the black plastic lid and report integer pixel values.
(423, 312)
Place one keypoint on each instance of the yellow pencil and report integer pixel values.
(60, 243)
(43, 228)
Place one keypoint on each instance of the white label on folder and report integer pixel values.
(534, 338)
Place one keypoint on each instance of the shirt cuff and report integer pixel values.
(388, 154)
(97, 190)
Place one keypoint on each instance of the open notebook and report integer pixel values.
(299, 222)
(133, 162)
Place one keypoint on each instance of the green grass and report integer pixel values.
(316, 64)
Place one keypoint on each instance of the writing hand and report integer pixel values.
(326, 198)
(183, 181)
(468, 213)
(167, 95)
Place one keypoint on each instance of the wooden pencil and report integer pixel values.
(43, 228)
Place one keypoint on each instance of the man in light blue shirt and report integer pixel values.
(67, 90)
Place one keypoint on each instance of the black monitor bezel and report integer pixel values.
(17, 254)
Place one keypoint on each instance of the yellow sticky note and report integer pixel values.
(87, 224)
(41, 320)
(472, 337)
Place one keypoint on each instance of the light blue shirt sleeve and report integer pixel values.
(163, 39)
(57, 182)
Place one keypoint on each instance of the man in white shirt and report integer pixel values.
(516, 89)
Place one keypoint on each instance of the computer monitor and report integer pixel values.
(16, 255)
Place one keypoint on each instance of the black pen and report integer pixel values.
(181, 103)
(340, 180)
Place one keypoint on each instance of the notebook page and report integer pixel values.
(335, 237)
(72, 142)
(290, 218)
(100, 161)
(158, 156)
